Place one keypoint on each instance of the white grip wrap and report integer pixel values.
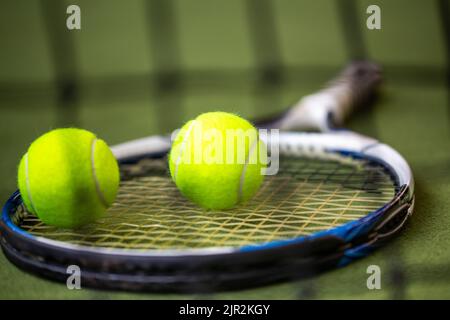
(330, 107)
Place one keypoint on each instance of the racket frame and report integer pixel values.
(224, 268)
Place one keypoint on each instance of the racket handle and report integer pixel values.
(330, 107)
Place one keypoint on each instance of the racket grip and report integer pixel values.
(331, 106)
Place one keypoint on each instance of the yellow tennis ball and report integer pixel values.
(217, 160)
(68, 177)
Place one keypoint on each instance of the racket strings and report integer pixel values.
(306, 196)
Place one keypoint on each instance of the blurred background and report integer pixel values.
(138, 68)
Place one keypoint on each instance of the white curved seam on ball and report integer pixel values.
(182, 147)
(94, 173)
(27, 181)
(244, 169)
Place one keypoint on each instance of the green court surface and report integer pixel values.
(138, 68)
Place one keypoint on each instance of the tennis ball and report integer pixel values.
(68, 177)
(217, 160)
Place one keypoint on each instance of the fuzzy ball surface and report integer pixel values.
(68, 177)
(217, 160)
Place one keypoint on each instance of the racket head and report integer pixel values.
(337, 197)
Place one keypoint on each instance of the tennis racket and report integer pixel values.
(337, 196)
